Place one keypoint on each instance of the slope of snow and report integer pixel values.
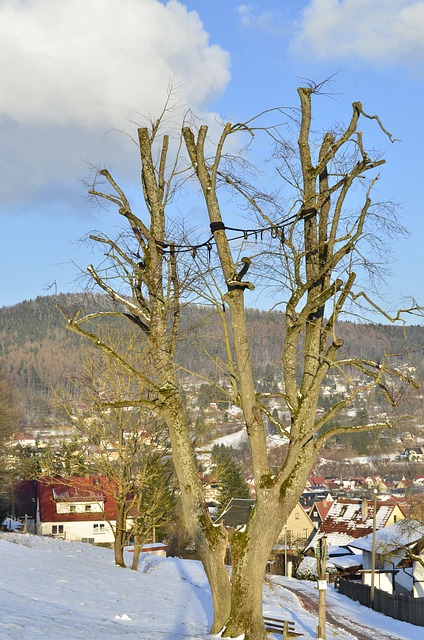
(239, 438)
(235, 440)
(69, 591)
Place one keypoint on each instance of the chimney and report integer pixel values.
(364, 509)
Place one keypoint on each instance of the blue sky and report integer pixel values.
(77, 74)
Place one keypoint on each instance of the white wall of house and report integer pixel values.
(97, 532)
(79, 507)
(403, 578)
(418, 590)
(382, 581)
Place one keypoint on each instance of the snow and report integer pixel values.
(235, 440)
(395, 536)
(239, 438)
(53, 588)
(12, 525)
(276, 440)
(347, 562)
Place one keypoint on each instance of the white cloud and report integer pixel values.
(73, 69)
(271, 21)
(385, 32)
(91, 61)
(245, 13)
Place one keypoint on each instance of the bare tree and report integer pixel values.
(318, 245)
(10, 422)
(124, 444)
(313, 247)
(141, 278)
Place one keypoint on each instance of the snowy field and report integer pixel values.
(52, 589)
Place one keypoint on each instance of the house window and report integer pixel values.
(87, 507)
(57, 529)
(72, 508)
(296, 516)
(98, 528)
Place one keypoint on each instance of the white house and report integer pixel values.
(399, 552)
(79, 508)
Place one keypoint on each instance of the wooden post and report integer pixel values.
(285, 551)
(322, 586)
(373, 550)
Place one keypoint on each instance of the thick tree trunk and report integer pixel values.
(251, 550)
(246, 616)
(210, 541)
(212, 558)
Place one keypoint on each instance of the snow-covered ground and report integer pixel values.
(53, 589)
(239, 438)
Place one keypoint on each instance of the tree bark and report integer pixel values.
(210, 541)
(251, 549)
(137, 550)
(120, 537)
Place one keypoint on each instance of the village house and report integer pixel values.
(319, 510)
(78, 508)
(413, 454)
(399, 558)
(348, 520)
(315, 482)
(298, 529)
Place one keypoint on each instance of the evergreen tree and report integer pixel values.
(220, 454)
(231, 480)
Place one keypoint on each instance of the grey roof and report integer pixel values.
(236, 513)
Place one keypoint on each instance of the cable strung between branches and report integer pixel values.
(276, 230)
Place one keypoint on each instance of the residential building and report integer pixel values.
(348, 520)
(399, 550)
(319, 510)
(78, 508)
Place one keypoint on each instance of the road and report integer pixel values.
(356, 629)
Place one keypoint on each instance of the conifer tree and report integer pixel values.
(232, 483)
(230, 476)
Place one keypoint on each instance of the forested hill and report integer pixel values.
(39, 354)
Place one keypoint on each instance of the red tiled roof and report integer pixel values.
(315, 481)
(323, 507)
(77, 489)
(354, 518)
